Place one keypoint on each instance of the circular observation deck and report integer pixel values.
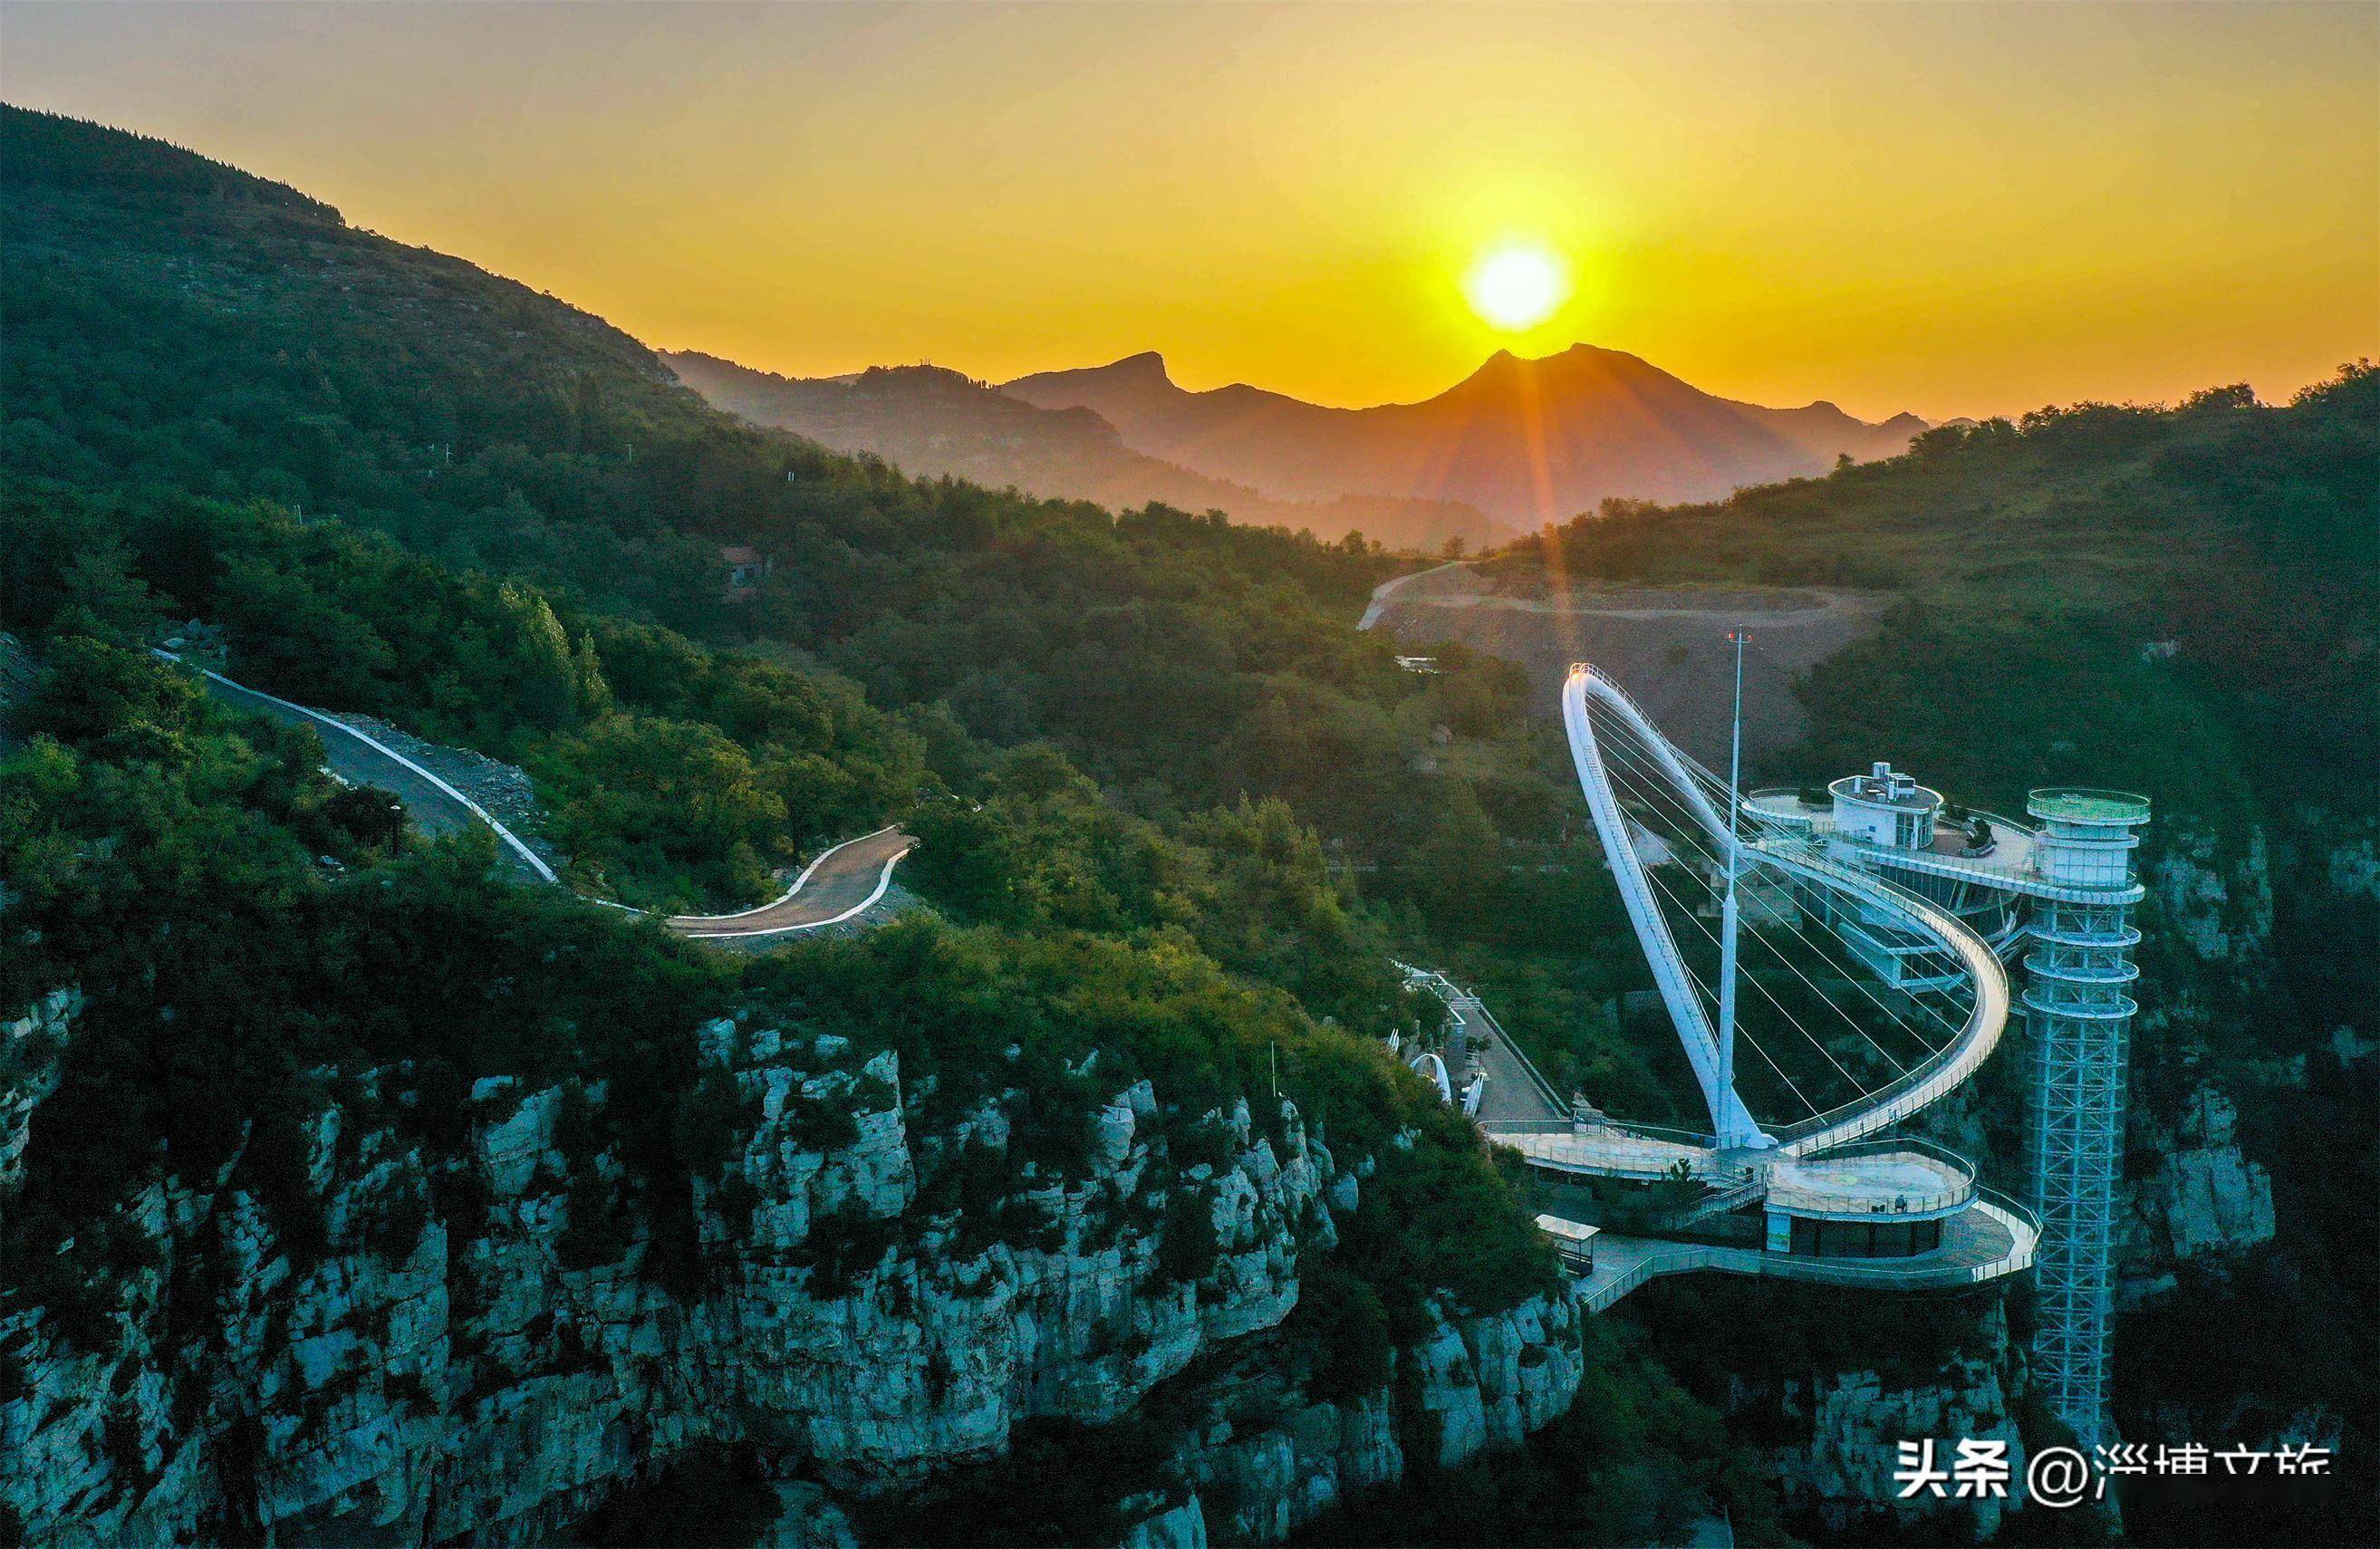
(2108, 971)
(2087, 839)
(2083, 806)
(1790, 809)
(2054, 930)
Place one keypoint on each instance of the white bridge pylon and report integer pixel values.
(1731, 1121)
(1755, 847)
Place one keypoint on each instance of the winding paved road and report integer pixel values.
(835, 887)
(832, 888)
(436, 806)
(1395, 584)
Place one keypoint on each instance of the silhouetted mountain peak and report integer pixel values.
(1137, 379)
(1148, 367)
(1580, 368)
(1526, 440)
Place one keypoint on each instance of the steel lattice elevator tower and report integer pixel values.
(2077, 1010)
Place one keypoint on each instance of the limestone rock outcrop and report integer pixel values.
(2206, 1193)
(488, 1345)
(1857, 1419)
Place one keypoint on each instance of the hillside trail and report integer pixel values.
(1387, 589)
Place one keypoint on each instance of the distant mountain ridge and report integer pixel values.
(1526, 441)
(932, 421)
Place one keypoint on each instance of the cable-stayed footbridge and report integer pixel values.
(1783, 1169)
(1832, 961)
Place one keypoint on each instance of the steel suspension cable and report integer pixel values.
(1708, 999)
(1705, 991)
(1635, 773)
(1855, 1084)
(1841, 1011)
(1745, 1032)
(1690, 826)
(1816, 950)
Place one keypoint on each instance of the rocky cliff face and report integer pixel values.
(1265, 1459)
(478, 1348)
(2191, 1194)
(30, 1046)
(2206, 1196)
(2194, 1192)
(1857, 1421)
(2218, 908)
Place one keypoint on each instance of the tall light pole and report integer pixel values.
(1727, 919)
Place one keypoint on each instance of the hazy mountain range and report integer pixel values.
(1526, 441)
(1517, 443)
(932, 421)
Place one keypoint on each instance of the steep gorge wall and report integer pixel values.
(2196, 1200)
(1266, 1459)
(455, 1361)
(1855, 1420)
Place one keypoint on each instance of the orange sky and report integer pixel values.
(1953, 210)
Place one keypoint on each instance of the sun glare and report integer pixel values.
(1517, 285)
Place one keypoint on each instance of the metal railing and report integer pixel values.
(1519, 1056)
(2082, 973)
(2109, 1010)
(1466, 1004)
(1669, 1258)
(1690, 1138)
(1808, 1200)
(2086, 804)
(1663, 1132)
(1995, 866)
(2003, 872)
(2122, 939)
(1924, 1272)
(1953, 1063)
(1718, 1203)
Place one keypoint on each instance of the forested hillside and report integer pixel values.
(1176, 814)
(1148, 756)
(208, 333)
(2236, 542)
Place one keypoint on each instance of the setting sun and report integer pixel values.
(1517, 285)
(1045, 679)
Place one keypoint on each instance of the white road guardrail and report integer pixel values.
(535, 862)
(511, 839)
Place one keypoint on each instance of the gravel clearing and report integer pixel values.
(505, 791)
(1667, 645)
